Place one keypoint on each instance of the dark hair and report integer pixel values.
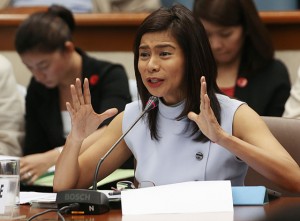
(199, 61)
(45, 31)
(258, 49)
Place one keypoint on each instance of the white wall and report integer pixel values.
(290, 58)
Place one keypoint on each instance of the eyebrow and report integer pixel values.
(38, 64)
(157, 46)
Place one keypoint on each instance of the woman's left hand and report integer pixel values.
(33, 166)
(206, 119)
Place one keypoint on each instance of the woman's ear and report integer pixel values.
(69, 46)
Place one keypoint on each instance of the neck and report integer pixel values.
(227, 74)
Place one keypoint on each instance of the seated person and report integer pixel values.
(76, 6)
(87, 6)
(11, 111)
(194, 133)
(243, 50)
(44, 43)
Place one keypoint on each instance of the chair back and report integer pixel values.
(287, 132)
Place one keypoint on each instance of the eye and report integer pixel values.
(144, 55)
(43, 67)
(225, 34)
(164, 53)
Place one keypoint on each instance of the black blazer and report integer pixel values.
(44, 130)
(267, 90)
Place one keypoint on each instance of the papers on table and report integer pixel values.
(27, 197)
(119, 174)
(205, 200)
(180, 198)
(226, 216)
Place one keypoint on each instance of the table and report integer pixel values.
(241, 213)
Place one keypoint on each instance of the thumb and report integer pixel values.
(192, 116)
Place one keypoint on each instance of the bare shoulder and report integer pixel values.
(247, 122)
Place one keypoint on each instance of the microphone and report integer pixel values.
(92, 202)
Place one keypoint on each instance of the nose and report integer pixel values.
(215, 43)
(153, 64)
(38, 75)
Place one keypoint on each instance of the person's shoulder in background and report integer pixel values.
(4, 3)
(89, 6)
(76, 6)
(11, 111)
(292, 106)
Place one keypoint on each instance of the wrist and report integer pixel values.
(223, 138)
(73, 140)
(74, 137)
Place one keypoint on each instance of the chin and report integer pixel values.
(155, 94)
(224, 60)
(50, 86)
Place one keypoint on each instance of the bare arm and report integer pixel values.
(252, 142)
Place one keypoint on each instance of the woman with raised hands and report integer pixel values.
(194, 133)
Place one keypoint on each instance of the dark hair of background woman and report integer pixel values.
(45, 31)
(258, 49)
(199, 61)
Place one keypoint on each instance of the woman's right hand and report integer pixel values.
(84, 119)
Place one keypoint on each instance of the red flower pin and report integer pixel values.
(242, 82)
(94, 79)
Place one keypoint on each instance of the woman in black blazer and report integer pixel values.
(244, 55)
(44, 43)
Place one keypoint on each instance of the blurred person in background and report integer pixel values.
(76, 6)
(44, 43)
(11, 111)
(89, 6)
(292, 106)
(243, 50)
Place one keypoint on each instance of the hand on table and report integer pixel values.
(33, 166)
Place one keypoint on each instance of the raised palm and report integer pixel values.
(206, 119)
(83, 117)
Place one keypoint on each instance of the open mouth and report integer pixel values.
(154, 82)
